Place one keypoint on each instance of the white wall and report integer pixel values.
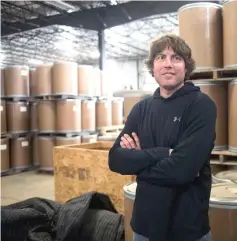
(128, 73)
(122, 73)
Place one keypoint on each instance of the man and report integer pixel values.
(166, 142)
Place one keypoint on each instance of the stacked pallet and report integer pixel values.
(53, 104)
(15, 125)
(210, 30)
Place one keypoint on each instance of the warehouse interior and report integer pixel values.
(71, 71)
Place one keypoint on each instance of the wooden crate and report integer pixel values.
(79, 169)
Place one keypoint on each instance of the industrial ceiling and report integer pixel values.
(35, 32)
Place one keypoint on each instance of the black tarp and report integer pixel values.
(90, 217)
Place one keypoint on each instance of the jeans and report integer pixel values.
(138, 237)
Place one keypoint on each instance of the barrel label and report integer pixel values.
(24, 72)
(74, 108)
(3, 147)
(24, 143)
(1, 108)
(92, 140)
(90, 105)
(23, 109)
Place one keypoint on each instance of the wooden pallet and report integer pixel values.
(56, 97)
(48, 172)
(17, 171)
(110, 130)
(224, 158)
(215, 74)
(22, 99)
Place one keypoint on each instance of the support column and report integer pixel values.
(101, 46)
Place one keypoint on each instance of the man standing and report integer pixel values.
(167, 141)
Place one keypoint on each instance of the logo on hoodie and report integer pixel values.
(177, 119)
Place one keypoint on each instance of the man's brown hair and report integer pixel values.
(179, 47)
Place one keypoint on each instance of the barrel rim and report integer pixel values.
(227, 1)
(117, 99)
(231, 201)
(223, 201)
(127, 193)
(200, 4)
(68, 100)
(17, 102)
(65, 62)
(234, 81)
(84, 66)
(89, 100)
(41, 100)
(46, 137)
(89, 135)
(68, 138)
(104, 100)
(26, 138)
(209, 82)
(17, 66)
(225, 179)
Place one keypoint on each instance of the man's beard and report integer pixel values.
(172, 87)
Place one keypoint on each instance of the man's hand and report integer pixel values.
(129, 142)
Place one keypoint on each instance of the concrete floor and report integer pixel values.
(18, 187)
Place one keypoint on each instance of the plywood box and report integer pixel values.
(79, 169)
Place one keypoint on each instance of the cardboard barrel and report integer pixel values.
(63, 141)
(232, 111)
(85, 80)
(68, 115)
(218, 92)
(88, 122)
(32, 82)
(3, 117)
(5, 155)
(46, 145)
(103, 113)
(230, 34)
(117, 111)
(200, 25)
(35, 151)
(20, 152)
(16, 81)
(18, 116)
(129, 197)
(46, 112)
(223, 212)
(33, 116)
(89, 138)
(64, 78)
(2, 82)
(129, 101)
(225, 176)
(43, 80)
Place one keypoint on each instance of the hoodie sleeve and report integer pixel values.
(132, 161)
(192, 151)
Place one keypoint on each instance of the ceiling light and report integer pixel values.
(62, 5)
(113, 2)
(35, 61)
(2, 57)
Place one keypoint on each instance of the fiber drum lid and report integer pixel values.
(130, 190)
(200, 4)
(224, 194)
(230, 175)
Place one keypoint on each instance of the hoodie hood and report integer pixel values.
(187, 88)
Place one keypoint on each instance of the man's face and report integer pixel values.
(169, 69)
